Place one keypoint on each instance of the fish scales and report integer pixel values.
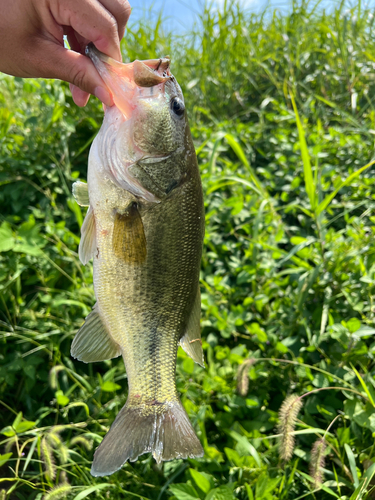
(144, 231)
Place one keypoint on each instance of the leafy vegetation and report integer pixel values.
(283, 117)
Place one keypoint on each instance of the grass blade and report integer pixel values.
(327, 200)
(365, 482)
(85, 493)
(235, 145)
(307, 171)
(364, 386)
(353, 468)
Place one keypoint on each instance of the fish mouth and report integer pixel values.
(123, 80)
(143, 73)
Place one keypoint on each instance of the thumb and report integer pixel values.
(76, 69)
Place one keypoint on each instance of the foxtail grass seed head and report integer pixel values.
(317, 461)
(243, 376)
(48, 460)
(53, 375)
(53, 438)
(288, 416)
(83, 441)
(63, 478)
(60, 491)
(3, 495)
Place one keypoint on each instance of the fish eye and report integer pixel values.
(177, 106)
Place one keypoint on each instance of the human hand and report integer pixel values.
(32, 42)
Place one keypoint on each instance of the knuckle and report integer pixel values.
(111, 26)
(79, 77)
(124, 11)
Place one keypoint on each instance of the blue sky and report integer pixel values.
(181, 13)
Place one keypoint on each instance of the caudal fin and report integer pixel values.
(164, 430)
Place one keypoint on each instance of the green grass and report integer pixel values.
(282, 114)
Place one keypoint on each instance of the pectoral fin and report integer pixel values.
(87, 245)
(81, 193)
(93, 342)
(129, 241)
(191, 341)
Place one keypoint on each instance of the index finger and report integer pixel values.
(92, 21)
(121, 10)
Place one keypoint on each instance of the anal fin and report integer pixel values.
(87, 245)
(93, 342)
(191, 341)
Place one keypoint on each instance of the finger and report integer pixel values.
(121, 10)
(57, 62)
(80, 97)
(91, 21)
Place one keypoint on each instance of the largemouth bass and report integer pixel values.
(144, 230)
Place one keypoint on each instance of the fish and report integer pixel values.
(144, 230)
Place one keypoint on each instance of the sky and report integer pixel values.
(180, 14)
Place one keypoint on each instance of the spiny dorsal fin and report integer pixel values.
(191, 341)
(87, 245)
(81, 193)
(93, 342)
(129, 241)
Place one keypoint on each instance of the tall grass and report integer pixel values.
(282, 113)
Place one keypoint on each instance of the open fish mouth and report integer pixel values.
(146, 73)
(124, 80)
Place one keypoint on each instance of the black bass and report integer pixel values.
(144, 231)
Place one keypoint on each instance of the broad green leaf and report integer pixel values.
(109, 386)
(201, 482)
(17, 420)
(61, 399)
(364, 331)
(221, 493)
(7, 240)
(183, 491)
(4, 458)
(24, 426)
(247, 446)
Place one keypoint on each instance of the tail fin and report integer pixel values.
(165, 430)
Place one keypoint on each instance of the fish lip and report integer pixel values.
(98, 58)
